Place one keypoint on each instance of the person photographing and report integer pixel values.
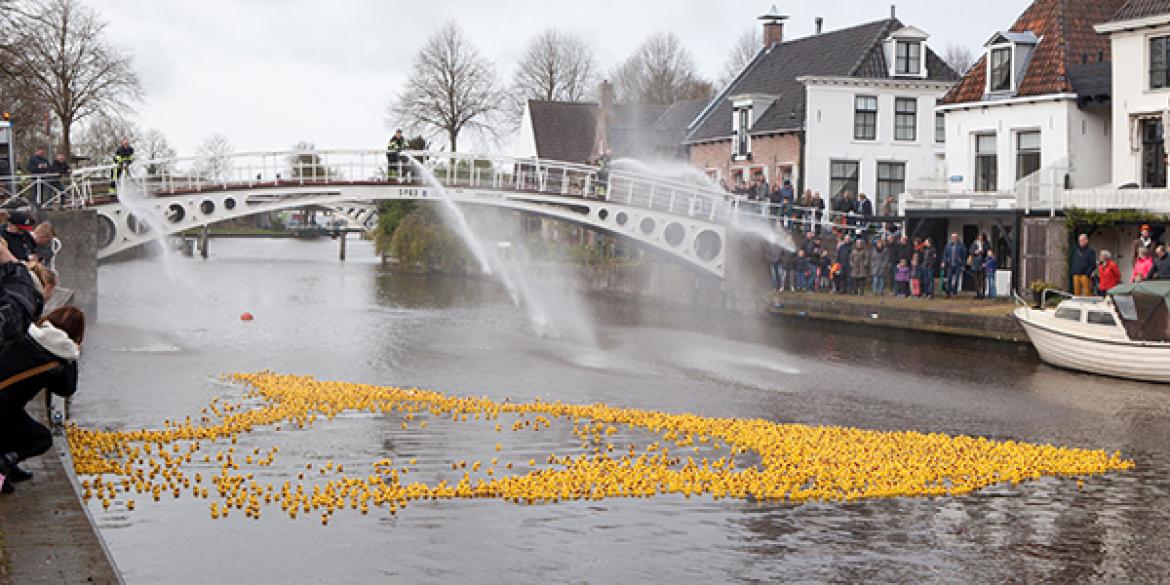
(44, 358)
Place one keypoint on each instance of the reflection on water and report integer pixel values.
(161, 343)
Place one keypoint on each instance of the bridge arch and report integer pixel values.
(685, 221)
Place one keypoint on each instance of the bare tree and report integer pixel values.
(59, 55)
(214, 155)
(555, 66)
(959, 57)
(101, 134)
(451, 88)
(746, 47)
(154, 146)
(661, 71)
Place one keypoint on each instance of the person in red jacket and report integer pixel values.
(1108, 274)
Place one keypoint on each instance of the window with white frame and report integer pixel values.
(986, 178)
(891, 179)
(865, 110)
(743, 123)
(940, 127)
(907, 58)
(844, 176)
(1159, 62)
(999, 73)
(1027, 153)
(905, 119)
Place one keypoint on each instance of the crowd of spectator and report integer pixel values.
(1096, 272)
(39, 348)
(856, 262)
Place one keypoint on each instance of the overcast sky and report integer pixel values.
(270, 73)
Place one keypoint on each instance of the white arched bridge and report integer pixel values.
(686, 220)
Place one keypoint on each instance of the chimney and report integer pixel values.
(605, 95)
(820, 24)
(773, 27)
(893, 11)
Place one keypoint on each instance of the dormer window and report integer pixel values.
(746, 110)
(1008, 55)
(905, 52)
(907, 57)
(743, 117)
(1000, 77)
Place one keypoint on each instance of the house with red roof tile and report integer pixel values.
(1028, 124)
(1038, 99)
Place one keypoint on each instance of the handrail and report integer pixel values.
(308, 167)
(1060, 293)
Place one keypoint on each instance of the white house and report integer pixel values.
(841, 110)
(1028, 123)
(1037, 99)
(884, 125)
(1140, 42)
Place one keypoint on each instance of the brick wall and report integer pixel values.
(775, 153)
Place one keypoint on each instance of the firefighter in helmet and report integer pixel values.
(123, 158)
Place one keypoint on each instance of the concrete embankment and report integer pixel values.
(46, 534)
(965, 316)
(673, 286)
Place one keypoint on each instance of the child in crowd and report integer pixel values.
(902, 279)
(990, 265)
(915, 277)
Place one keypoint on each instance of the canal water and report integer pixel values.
(168, 330)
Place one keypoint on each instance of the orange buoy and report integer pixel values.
(246, 316)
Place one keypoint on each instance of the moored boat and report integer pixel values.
(1125, 335)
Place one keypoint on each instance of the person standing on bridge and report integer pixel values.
(394, 150)
(123, 158)
(38, 168)
(602, 184)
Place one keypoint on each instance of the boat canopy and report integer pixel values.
(1145, 309)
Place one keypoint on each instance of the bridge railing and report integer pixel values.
(321, 168)
(37, 190)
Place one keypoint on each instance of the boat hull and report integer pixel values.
(1147, 362)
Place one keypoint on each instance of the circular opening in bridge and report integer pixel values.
(207, 207)
(674, 233)
(229, 203)
(648, 224)
(708, 244)
(603, 214)
(105, 231)
(175, 213)
(622, 218)
(137, 226)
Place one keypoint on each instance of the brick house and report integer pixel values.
(845, 110)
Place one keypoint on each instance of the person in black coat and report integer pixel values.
(20, 302)
(17, 236)
(45, 358)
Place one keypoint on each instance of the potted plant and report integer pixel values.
(1038, 287)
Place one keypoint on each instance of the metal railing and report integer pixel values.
(37, 190)
(308, 168)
